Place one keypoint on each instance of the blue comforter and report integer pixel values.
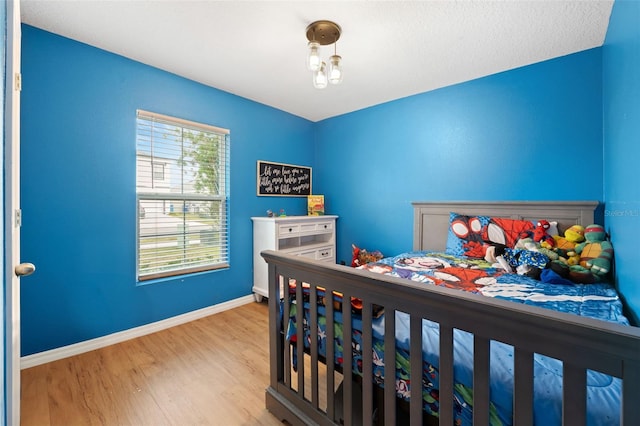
(598, 301)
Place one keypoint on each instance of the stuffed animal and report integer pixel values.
(524, 261)
(530, 244)
(355, 254)
(595, 253)
(509, 259)
(361, 256)
(541, 234)
(565, 249)
(565, 246)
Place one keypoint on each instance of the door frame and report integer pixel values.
(12, 214)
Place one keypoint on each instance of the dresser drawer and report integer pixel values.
(311, 254)
(308, 227)
(316, 227)
(325, 226)
(325, 253)
(288, 229)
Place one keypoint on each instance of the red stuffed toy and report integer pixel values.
(540, 234)
(356, 254)
(361, 256)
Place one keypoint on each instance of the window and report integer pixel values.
(182, 171)
(158, 171)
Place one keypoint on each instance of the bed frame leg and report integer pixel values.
(284, 410)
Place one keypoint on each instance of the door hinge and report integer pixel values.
(18, 218)
(18, 82)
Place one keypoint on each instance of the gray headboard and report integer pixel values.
(431, 218)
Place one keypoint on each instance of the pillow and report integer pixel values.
(470, 236)
(508, 231)
(464, 237)
(553, 229)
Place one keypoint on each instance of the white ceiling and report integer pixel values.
(390, 49)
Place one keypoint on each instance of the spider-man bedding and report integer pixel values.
(598, 301)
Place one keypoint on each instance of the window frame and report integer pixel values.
(157, 168)
(182, 198)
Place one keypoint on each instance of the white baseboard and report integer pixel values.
(101, 342)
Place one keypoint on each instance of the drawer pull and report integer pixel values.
(290, 229)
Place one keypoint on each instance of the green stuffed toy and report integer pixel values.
(565, 248)
(596, 254)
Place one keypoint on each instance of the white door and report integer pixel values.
(12, 266)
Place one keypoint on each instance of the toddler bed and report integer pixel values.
(478, 359)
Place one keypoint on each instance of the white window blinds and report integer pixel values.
(182, 171)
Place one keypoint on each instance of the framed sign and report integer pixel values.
(287, 180)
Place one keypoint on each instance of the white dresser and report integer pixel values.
(309, 236)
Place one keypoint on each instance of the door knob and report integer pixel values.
(24, 269)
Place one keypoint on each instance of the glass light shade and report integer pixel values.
(335, 69)
(320, 77)
(313, 57)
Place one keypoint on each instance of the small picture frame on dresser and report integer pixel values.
(315, 205)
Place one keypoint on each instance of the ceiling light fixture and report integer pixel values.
(323, 33)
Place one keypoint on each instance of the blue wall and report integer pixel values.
(78, 188)
(621, 93)
(533, 133)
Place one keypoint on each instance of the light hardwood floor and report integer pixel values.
(212, 371)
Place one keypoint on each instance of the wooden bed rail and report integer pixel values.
(580, 343)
